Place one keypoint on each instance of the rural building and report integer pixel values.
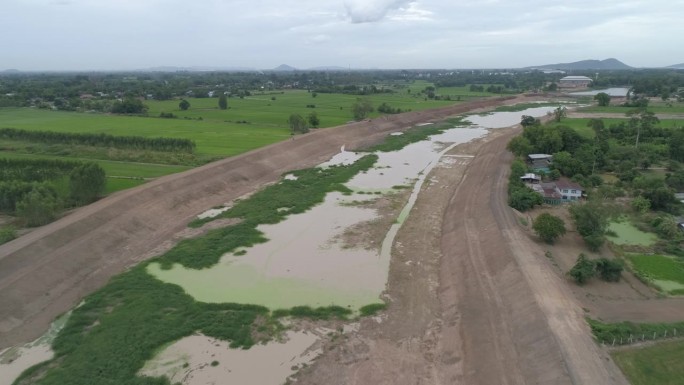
(554, 193)
(548, 193)
(530, 178)
(575, 82)
(540, 162)
(568, 190)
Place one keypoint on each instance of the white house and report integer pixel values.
(569, 191)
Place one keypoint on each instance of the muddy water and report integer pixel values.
(616, 91)
(15, 360)
(189, 361)
(301, 264)
(506, 119)
(298, 266)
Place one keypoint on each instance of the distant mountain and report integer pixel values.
(11, 71)
(329, 68)
(679, 66)
(199, 69)
(608, 64)
(284, 68)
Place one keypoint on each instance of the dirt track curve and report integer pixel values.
(48, 271)
(473, 300)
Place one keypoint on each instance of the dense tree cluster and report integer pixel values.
(609, 270)
(30, 189)
(521, 197)
(100, 140)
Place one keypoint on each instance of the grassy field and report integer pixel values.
(120, 175)
(658, 364)
(580, 124)
(248, 123)
(658, 107)
(213, 137)
(664, 271)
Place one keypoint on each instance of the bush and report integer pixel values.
(39, 206)
(583, 270)
(372, 309)
(523, 198)
(548, 227)
(7, 233)
(86, 183)
(609, 270)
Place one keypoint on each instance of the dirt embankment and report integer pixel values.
(48, 271)
(468, 295)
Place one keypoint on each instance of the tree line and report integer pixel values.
(34, 170)
(100, 140)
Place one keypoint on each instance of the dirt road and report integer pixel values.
(48, 271)
(472, 298)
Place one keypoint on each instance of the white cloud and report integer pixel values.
(368, 11)
(318, 39)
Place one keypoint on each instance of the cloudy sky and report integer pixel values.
(135, 34)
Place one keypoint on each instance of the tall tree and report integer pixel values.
(361, 108)
(548, 227)
(559, 113)
(39, 206)
(602, 98)
(184, 105)
(223, 102)
(86, 182)
(297, 124)
(591, 221)
(313, 119)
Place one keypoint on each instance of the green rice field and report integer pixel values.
(658, 364)
(664, 271)
(249, 123)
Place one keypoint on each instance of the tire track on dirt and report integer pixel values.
(505, 335)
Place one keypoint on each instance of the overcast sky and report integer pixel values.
(136, 34)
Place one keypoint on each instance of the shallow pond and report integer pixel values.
(627, 234)
(615, 91)
(15, 360)
(303, 263)
(200, 360)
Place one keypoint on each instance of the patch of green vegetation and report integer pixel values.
(628, 234)
(659, 364)
(656, 107)
(607, 332)
(119, 327)
(266, 206)
(112, 168)
(118, 184)
(659, 269)
(319, 313)
(372, 309)
(523, 107)
(580, 125)
(7, 233)
(415, 134)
